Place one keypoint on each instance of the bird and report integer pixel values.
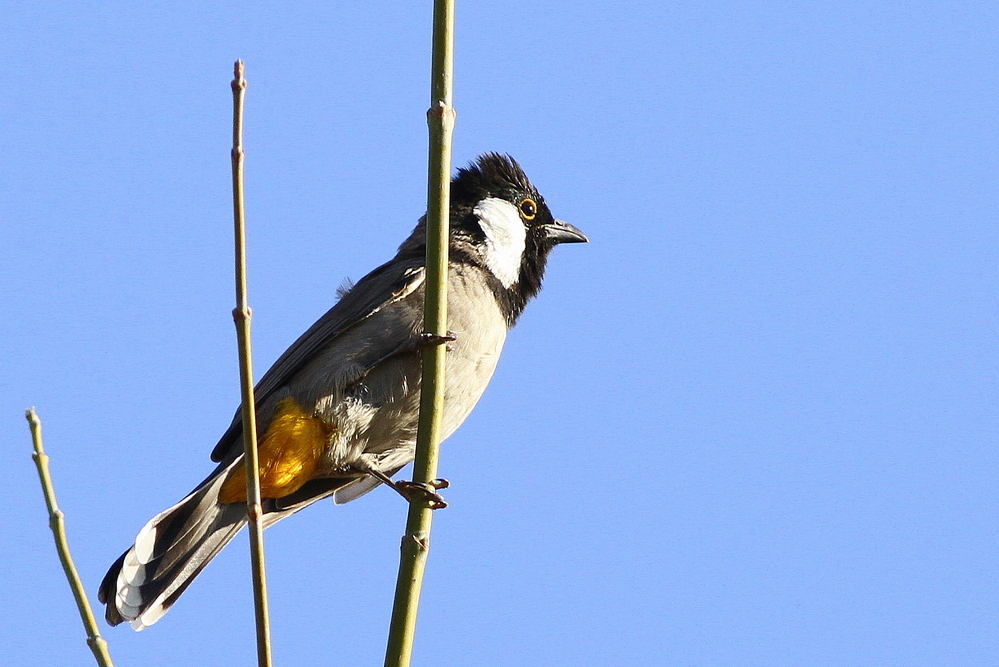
(338, 410)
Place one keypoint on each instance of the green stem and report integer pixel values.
(416, 542)
(242, 315)
(57, 523)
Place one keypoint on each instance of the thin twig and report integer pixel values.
(57, 523)
(242, 317)
(416, 542)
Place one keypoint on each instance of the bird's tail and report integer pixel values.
(169, 552)
(178, 543)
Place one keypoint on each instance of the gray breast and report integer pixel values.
(374, 409)
(477, 322)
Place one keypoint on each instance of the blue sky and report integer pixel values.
(753, 422)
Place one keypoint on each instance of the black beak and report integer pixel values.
(561, 231)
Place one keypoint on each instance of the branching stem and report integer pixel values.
(57, 523)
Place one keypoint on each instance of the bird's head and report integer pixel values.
(503, 222)
(500, 222)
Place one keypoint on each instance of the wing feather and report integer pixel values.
(385, 285)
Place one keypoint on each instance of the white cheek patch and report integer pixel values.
(505, 238)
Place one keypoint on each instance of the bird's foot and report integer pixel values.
(427, 338)
(413, 490)
(427, 492)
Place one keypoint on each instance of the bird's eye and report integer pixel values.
(528, 209)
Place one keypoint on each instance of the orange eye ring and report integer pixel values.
(528, 209)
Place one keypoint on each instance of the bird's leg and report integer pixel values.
(410, 490)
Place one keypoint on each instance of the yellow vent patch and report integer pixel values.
(288, 455)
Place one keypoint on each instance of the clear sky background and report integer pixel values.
(753, 422)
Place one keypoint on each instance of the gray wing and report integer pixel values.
(387, 284)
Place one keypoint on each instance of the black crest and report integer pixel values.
(491, 175)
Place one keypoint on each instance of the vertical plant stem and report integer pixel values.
(57, 523)
(242, 315)
(416, 542)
